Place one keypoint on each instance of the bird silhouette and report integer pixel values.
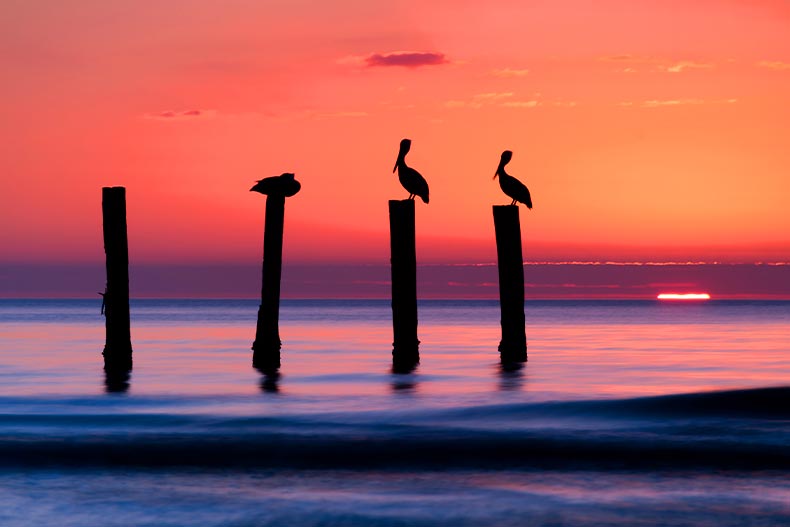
(512, 187)
(408, 177)
(284, 185)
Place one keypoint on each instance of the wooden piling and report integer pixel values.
(513, 346)
(266, 348)
(404, 284)
(118, 344)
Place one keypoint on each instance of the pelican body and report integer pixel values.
(408, 177)
(512, 187)
(283, 185)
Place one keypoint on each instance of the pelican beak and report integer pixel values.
(495, 175)
(395, 167)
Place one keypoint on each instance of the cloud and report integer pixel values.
(340, 115)
(774, 65)
(171, 115)
(493, 96)
(661, 103)
(683, 65)
(505, 100)
(406, 59)
(623, 58)
(510, 72)
(655, 63)
(479, 100)
(520, 104)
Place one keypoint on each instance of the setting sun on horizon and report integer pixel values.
(683, 296)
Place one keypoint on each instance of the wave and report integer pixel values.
(743, 429)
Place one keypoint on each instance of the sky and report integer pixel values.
(647, 131)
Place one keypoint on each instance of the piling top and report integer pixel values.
(118, 193)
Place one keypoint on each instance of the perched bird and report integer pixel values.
(515, 189)
(408, 177)
(284, 185)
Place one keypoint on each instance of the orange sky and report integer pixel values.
(645, 130)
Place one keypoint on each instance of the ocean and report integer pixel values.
(627, 412)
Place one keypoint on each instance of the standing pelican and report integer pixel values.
(515, 189)
(408, 177)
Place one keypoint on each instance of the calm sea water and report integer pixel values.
(637, 413)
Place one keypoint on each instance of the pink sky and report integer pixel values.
(645, 130)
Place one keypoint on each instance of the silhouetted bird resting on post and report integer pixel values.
(408, 177)
(284, 185)
(515, 189)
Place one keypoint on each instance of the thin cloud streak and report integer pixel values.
(406, 59)
(656, 63)
(687, 65)
(171, 115)
(774, 65)
(662, 103)
(510, 72)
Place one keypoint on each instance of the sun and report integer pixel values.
(684, 296)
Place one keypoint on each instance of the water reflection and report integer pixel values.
(404, 380)
(511, 376)
(270, 381)
(116, 380)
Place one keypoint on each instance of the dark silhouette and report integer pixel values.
(402, 382)
(408, 177)
(512, 187)
(405, 352)
(404, 363)
(513, 346)
(284, 185)
(115, 299)
(116, 380)
(270, 381)
(266, 347)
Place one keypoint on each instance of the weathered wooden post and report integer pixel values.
(266, 347)
(405, 354)
(118, 345)
(513, 346)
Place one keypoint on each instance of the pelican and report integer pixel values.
(408, 177)
(515, 189)
(284, 184)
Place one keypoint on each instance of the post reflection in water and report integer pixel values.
(270, 381)
(404, 384)
(511, 376)
(404, 378)
(116, 380)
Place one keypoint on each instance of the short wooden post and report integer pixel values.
(266, 348)
(513, 346)
(404, 284)
(118, 344)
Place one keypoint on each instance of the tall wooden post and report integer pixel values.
(404, 284)
(118, 344)
(266, 348)
(513, 346)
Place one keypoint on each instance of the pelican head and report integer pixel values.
(405, 146)
(507, 155)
